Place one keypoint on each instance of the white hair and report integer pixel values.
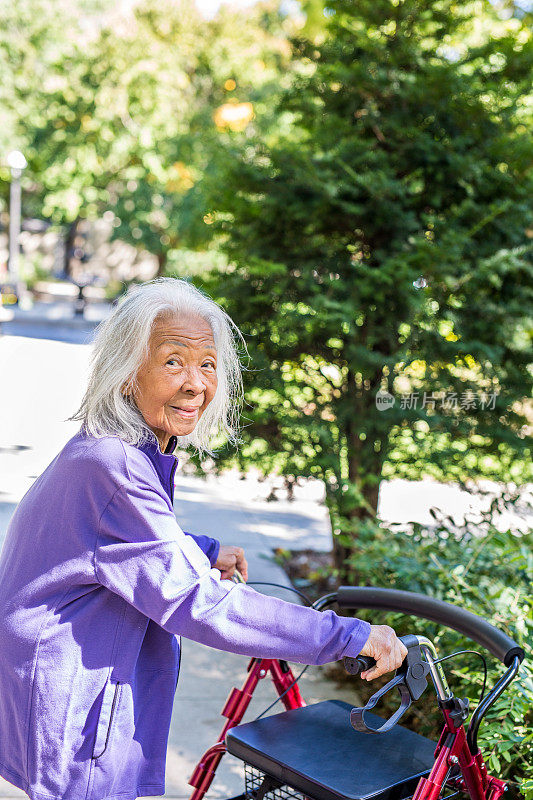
(121, 347)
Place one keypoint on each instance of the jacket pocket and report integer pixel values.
(105, 718)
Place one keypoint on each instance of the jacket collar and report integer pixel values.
(164, 463)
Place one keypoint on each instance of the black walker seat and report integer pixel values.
(315, 750)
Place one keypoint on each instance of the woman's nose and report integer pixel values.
(194, 380)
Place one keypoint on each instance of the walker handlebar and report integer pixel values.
(354, 666)
(420, 605)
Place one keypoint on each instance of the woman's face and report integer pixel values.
(179, 380)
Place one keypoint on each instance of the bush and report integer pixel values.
(482, 569)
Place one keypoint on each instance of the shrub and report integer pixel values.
(483, 569)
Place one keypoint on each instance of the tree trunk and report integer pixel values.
(361, 459)
(161, 264)
(70, 239)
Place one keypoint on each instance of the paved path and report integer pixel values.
(55, 320)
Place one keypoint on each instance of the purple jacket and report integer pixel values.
(97, 583)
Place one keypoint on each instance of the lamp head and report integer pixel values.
(16, 160)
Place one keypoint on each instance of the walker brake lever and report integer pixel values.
(410, 679)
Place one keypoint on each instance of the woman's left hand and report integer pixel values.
(229, 559)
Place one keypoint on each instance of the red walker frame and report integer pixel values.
(452, 748)
(235, 708)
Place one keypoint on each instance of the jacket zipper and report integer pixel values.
(179, 665)
(172, 473)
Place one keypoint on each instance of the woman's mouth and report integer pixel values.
(187, 413)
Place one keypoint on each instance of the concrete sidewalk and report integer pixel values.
(53, 320)
(42, 384)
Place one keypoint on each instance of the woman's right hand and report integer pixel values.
(385, 648)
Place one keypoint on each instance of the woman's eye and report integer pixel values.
(209, 364)
(172, 361)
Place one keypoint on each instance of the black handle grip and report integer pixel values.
(420, 605)
(358, 664)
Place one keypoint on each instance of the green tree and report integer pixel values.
(34, 36)
(382, 242)
(100, 104)
(119, 113)
(226, 70)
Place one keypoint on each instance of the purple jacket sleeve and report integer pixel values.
(142, 555)
(207, 545)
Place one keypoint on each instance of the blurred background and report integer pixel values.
(352, 182)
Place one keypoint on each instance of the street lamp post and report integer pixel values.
(16, 162)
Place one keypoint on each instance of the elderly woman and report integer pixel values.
(98, 581)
